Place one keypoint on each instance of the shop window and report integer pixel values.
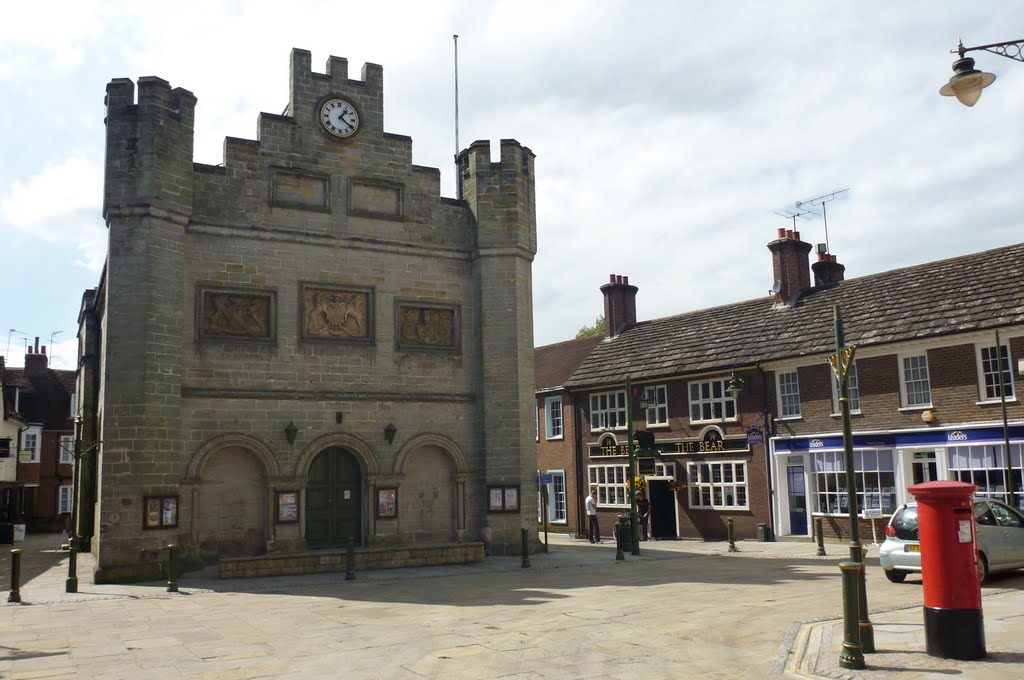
(608, 411)
(709, 401)
(873, 476)
(718, 485)
(990, 362)
(610, 481)
(789, 395)
(915, 384)
(984, 466)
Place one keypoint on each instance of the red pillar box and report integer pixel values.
(953, 624)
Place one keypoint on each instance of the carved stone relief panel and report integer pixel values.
(336, 312)
(235, 314)
(423, 326)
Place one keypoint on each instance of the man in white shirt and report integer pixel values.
(594, 530)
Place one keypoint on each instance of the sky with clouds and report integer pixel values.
(667, 134)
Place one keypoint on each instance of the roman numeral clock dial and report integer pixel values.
(339, 118)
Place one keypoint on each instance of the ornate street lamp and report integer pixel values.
(967, 82)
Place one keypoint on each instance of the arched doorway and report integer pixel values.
(427, 506)
(333, 499)
(231, 512)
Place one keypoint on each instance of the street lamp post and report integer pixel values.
(1008, 461)
(967, 82)
(71, 583)
(634, 523)
(841, 362)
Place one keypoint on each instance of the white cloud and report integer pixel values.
(61, 204)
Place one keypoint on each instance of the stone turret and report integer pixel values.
(501, 199)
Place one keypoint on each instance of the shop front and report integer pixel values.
(810, 474)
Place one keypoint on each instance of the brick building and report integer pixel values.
(306, 343)
(558, 432)
(38, 404)
(925, 390)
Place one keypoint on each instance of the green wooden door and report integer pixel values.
(333, 501)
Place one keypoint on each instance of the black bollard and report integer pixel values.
(732, 536)
(350, 559)
(172, 568)
(619, 556)
(526, 549)
(820, 535)
(15, 595)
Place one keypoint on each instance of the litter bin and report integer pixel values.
(625, 531)
(763, 536)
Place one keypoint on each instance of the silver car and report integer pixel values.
(1000, 540)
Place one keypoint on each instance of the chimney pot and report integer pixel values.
(37, 344)
(789, 233)
(611, 278)
(44, 349)
(619, 305)
(782, 232)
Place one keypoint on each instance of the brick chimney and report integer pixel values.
(35, 361)
(619, 305)
(827, 272)
(790, 267)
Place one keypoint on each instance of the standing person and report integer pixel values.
(593, 530)
(643, 511)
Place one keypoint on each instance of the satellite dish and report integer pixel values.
(776, 287)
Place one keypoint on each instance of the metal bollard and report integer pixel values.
(172, 568)
(526, 549)
(15, 595)
(820, 536)
(732, 535)
(852, 656)
(619, 556)
(350, 559)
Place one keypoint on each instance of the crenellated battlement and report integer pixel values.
(149, 145)
(501, 194)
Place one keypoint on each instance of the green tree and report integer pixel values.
(596, 329)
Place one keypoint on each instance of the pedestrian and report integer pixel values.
(643, 511)
(593, 530)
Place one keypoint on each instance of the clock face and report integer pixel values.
(339, 118)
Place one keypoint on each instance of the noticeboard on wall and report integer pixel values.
(287, 507)
(502, 499)
(160, 512)
(387, 502)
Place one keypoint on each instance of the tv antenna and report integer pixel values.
(9, 334)
(822, 200)
(791, 214)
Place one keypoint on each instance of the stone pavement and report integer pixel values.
(681, 609)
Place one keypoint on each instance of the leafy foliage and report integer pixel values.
(596, 329)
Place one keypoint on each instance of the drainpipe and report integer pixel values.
(768, 425)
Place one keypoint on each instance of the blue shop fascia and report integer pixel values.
(809, 473)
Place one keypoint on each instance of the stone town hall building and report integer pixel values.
(305, 343)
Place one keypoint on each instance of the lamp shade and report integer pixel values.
(966, 83)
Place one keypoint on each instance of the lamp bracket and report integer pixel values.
(1014, 49)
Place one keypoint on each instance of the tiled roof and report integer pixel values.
(969, 293)
(553, 364)
(43, 395)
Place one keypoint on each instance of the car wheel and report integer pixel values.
(982, 569)
(895, 575)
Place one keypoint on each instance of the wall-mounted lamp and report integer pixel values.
(1020, 366)
(389, 433)
(735, 386)
(929, 416)
(290, 431)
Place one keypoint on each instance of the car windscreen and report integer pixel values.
(905, 524)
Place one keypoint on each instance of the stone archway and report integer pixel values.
(432, 470)
(231, 497)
